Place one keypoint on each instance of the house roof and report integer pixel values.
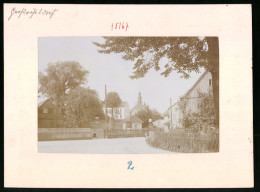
(133, 119)
(203, 74)
(173, 104)
(42, 102)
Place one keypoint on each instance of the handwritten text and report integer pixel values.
(120, 26)
(129, 165)
(30, 13)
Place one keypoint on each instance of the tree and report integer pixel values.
(113, 101)
(60, 79)
(146, 113)
(204, 116)
(82, 105)
(184, 55)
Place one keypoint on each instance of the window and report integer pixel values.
(210, 83)
(45, 110)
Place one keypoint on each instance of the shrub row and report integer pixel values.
(184, 142)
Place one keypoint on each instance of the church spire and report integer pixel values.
(139, 102)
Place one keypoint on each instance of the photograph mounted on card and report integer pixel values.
(135, 96)
(95, 94)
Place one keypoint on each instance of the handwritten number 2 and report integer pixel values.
(129, 165)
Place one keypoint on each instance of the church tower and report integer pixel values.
(139, 101)
(139, 105)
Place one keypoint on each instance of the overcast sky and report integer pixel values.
(112, 70)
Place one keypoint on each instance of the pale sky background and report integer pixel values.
(112, 70)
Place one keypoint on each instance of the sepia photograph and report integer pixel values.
(147, 96)
(128, 95)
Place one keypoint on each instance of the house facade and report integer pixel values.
(203, 85)
(132, 123)
(120, 113)
(48, 115)
(192, 99)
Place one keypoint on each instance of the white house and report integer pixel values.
(121, 112)
(203, 85)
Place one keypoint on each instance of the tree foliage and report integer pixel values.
(60, 79)
(113, 100)
(146, 113)
(182, 54)
(203, 118)
(82, 105)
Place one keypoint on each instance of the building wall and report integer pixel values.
(203, 86)
(119, 113)
(48, 116)
(137, 126)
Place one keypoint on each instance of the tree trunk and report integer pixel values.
(213, 63)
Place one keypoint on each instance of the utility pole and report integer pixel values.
(171, 111)
(106, 109)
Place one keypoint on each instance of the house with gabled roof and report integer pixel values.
(202, 85)
(48, 115)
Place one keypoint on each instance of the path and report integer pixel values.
(134, 145)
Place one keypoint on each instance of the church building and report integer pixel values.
(139, 105)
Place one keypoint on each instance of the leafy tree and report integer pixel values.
(82, 105)
(113, 101)
(156, 115)
(183, 54)
(146, 113)
(203, 118)
(60, 79)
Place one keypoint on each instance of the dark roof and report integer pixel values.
(133, 119)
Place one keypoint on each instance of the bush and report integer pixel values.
(179, 140)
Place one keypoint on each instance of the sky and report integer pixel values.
(112, 70)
